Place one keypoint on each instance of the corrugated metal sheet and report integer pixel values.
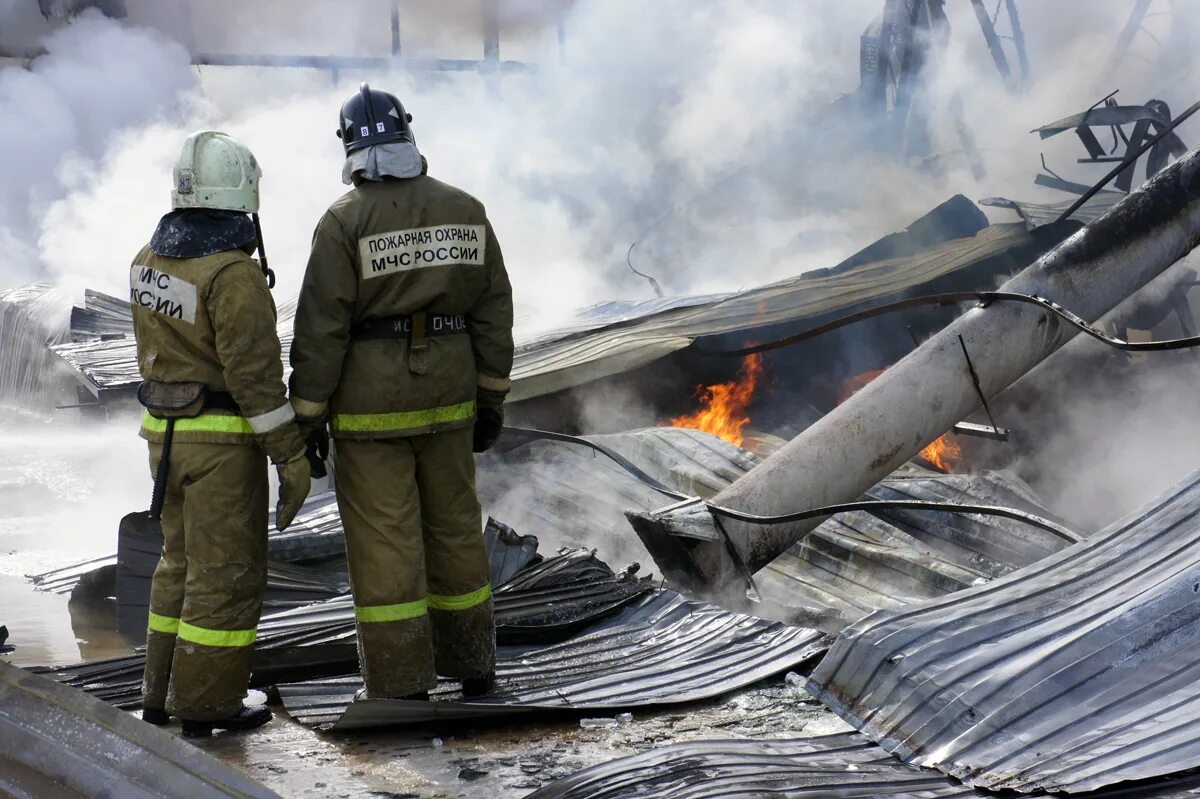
(56, 740)
(663, 650)
(859, 562)
(1074, 673)
(554, 362)
(845, 766)
(1038, 215)
(567, 495)
(545, 603)
(616, 337)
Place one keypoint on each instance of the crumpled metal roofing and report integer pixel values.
(847, 766)
(554, 361)
(858, 562)
(843, 766)
(56, 740)
(1036, 215)
(1103, 117)
(572, 496)
(663, 650)
(615, 337)
(1073, 673)
(543, 603)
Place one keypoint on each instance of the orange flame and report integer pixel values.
(723, 406)
(942, 454)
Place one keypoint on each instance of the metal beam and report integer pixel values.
(993, 42)
(1125, 39)
(360, 62)
(1018, 38)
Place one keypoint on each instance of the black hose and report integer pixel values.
(813, 513)
(902, 504)
(953, 298)
(619, 459)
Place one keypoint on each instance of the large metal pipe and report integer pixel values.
(922, 396)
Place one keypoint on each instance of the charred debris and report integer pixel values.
(821, 474)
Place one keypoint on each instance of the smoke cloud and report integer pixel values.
(703, 134)
(98, 81)
(712, 136)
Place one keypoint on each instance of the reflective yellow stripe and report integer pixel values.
(400, 612)
(203, 635)
(461, 601)
(405, 420)
(163, 624)
(204, 423)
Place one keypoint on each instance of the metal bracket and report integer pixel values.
(751, 587)
(996, 431)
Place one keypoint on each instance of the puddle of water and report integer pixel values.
(39, 625)
(48, 630)
(64, 486)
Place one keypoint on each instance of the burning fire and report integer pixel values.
(723, 406)
(942, 454)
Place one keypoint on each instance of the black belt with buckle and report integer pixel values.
(401, 327)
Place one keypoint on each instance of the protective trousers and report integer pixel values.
(418, 565)
(208, 589)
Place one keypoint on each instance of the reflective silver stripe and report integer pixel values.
(307, 409)
(266, 422)
(494, 383)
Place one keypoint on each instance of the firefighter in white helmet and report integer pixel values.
(216, 410)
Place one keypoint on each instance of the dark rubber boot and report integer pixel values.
(478, 686)
(248, 719)
(155, 715)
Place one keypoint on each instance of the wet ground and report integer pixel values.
(506, 758)
(63, 489)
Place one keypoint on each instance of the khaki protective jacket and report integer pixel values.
(394, 248)
(212, 320)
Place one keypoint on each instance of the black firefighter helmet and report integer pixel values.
(372, 117)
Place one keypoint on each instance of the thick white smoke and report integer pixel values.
(98, 82)
(702, 131)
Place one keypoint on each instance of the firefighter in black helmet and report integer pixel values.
(403, 346)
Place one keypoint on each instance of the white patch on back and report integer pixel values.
(421, 248)
(162, 293)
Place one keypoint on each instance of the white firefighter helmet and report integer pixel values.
(214, 171)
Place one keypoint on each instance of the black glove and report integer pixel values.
(488, 422)
(316, 449)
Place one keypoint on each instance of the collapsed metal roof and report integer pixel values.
(616, 337)
(845, 766)
(1071, 674)
(842, 766)
(663, 650)
(859, 562)
(578, 498)
(1039, 215)
(57, 741)
(546, 602)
